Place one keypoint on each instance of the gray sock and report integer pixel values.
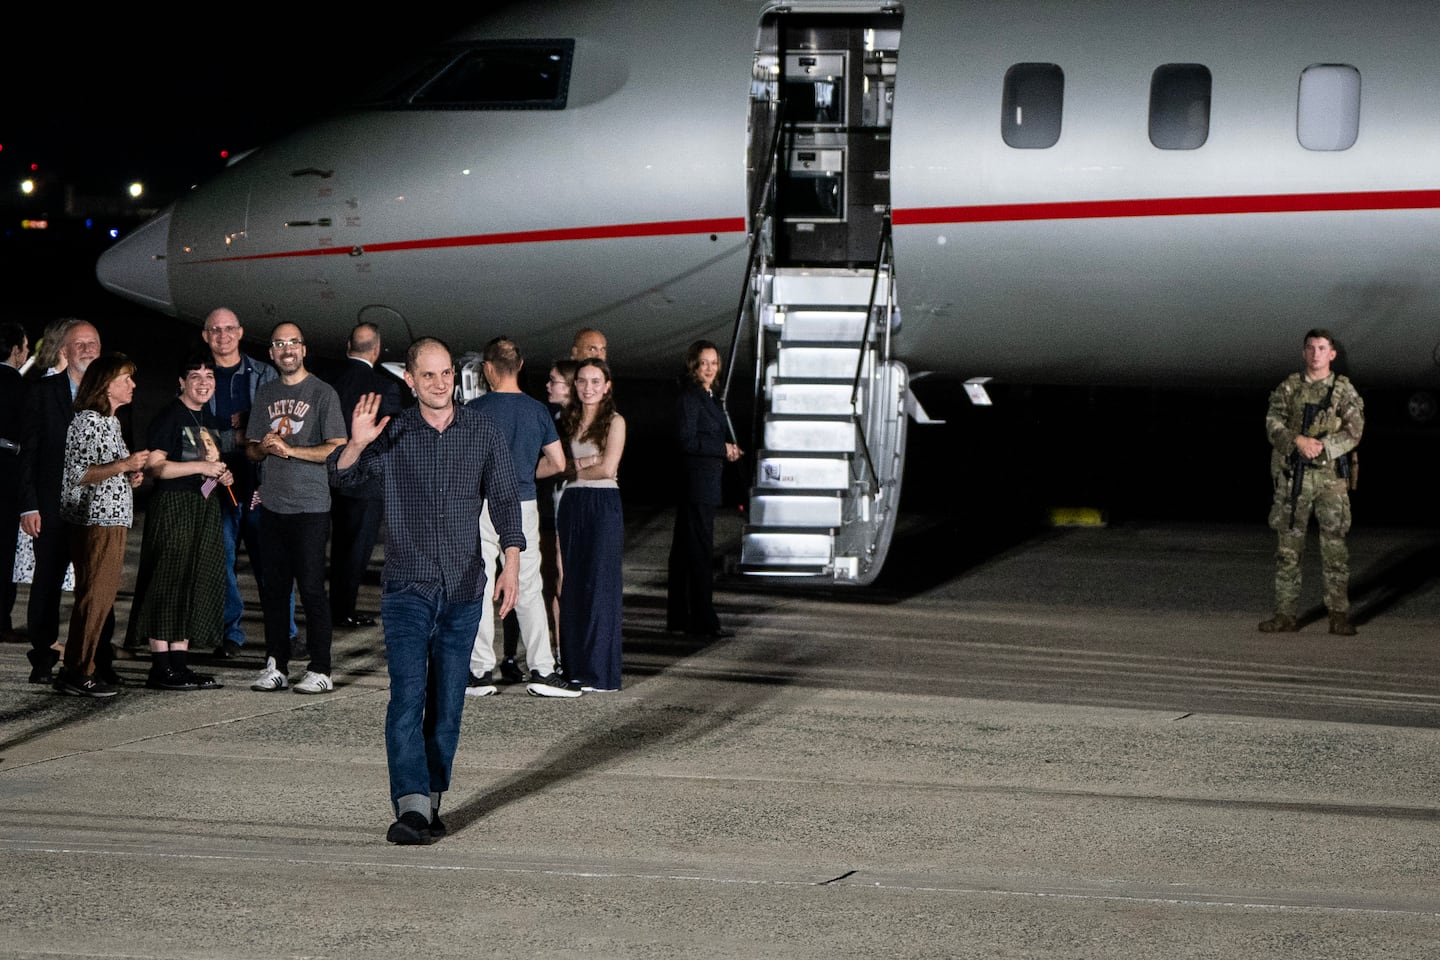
(413, 802)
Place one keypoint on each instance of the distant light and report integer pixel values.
(137, 188)
(89, 223)
(464, 173)
(34, 167)
(114, 232)
(34, 224)
(27, 187)
(224, 154)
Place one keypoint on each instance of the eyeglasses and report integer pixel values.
(282, 344)
(223, 331)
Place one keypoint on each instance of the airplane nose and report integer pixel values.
(135, 267)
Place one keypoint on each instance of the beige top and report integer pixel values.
(583, 448)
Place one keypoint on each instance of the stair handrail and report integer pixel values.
(757, 229)
(884, 263)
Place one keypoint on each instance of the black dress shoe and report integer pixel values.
(356, 620)
(42, 664)
(411, 829)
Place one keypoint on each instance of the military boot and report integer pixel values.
(1280, 623)
(1340, 625)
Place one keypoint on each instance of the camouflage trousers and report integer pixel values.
(1327, 496)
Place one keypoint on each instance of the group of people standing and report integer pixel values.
(267, 454)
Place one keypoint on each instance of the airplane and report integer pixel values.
(849, 195)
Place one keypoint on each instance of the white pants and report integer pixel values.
(529, 609)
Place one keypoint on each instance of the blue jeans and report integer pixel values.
(427, 649)
(237, 524)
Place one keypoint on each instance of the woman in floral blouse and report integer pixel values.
(96, 504)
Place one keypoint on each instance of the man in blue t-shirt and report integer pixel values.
(527, 426)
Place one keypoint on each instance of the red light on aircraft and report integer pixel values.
(224, 154)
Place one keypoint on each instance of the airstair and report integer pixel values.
(827, 475)
(819, 300)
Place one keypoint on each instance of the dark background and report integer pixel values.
(98, 103)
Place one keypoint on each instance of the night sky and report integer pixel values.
(99, 99)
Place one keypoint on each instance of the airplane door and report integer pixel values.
(823, 98)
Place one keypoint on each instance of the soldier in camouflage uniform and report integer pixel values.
(1337, 418)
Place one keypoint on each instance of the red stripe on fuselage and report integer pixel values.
(1172, 207)
(668, 228)
(985, 213)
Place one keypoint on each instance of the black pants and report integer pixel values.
(292, 552)
(357, 527)
(690, 590)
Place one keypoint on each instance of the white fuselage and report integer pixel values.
(626, 210)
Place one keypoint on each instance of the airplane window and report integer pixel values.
(1031, 105)
(1180, 106)
(1328, 117)
(513, 75)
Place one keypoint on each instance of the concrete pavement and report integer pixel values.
(1070, 745)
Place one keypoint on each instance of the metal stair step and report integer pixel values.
(809, 434)
(796, 510)
(823, 324)
(819, 360)
(798, 471)
(812, 396)
(785, 548)
(836, 286)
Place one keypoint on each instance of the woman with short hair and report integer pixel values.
(180, 588)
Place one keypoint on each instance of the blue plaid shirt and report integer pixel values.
(435, 485)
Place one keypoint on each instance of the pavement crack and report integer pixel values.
(847, 873)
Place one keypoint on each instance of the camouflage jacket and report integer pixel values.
(1341, 422)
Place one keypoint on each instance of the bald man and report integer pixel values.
(237, 377)
(588, 343)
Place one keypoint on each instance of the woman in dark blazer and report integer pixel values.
(700, 431)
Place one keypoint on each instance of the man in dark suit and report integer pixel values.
(14, 348)
(355, 515)
(49, 407)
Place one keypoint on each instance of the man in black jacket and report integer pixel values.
(49, 408)
(355, 515)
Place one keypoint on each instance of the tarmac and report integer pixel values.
(1072, 743)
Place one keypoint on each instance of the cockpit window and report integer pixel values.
(489, 75)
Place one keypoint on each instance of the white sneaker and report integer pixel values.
(314, 682)
(270, 678)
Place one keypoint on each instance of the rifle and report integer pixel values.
(1308, 417)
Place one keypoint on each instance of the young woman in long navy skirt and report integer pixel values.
(592, 533)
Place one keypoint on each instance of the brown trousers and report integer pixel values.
(99, 557)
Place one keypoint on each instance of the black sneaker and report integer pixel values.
(510, 671)
(88, 687)
(410, 830)
(168, 679)
(553, 685)
(437, 826)
(227, 650)
(482, 686)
